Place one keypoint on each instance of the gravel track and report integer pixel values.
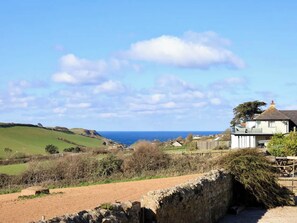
(72, 200)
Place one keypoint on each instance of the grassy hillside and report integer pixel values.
(13, 169)
(32, 140)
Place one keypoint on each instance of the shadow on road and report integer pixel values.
(249, 215)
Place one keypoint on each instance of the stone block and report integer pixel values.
(34, 191)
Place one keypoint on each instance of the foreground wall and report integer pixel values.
(203, 200)
(126, 212)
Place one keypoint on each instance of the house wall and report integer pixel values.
(278, 126)
(243, 142)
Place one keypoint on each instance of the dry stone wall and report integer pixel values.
(204, 200)
(126, 212)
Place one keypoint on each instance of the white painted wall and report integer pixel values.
(278, 126)
(243, 142)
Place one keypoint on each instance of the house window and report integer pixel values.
(271, 124)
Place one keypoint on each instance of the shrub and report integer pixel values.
(145, 157)
(186, 163)
(76, 149)
(191, 145)
(4, 180)
(189, 138)
(64, 170)
(281, 145)
(109, 165)
(221, 147)
(51, 149)
(255, 173)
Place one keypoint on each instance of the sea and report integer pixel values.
(129, 137)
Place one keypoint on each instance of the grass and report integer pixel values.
(13, 169)
(32, 140)
(185, 150)
(83, 184)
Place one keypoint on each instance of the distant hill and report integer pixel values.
(86, 132)
(32, 139)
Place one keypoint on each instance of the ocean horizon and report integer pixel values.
(130, 137)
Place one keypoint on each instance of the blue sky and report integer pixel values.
(135, 65)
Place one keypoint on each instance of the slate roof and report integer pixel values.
(292, 114)
(273, 114)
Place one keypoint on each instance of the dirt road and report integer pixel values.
(80, 198)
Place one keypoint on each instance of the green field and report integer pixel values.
(32, 140)
(13, 169)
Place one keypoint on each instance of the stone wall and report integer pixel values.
(203, 200)
(126, 212)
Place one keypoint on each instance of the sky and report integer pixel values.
(131, 65)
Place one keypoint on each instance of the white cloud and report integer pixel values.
(79, 105)
(59, 110)
(64, 77)
(107, 115)
(21, 102)
(196, 51)
(109, 87)
(231, 82)
(169, 104)
(215, 101)
(155, 98)
(74, 70)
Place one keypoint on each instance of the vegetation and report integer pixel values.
(51, 149)
(109, 165)
(246, 111)
(147, 156)
(13, 169)
(255, 173)
(76, 149)
(26, 197)
(146, 161)
(189, 138)
(281, 145)
(32, 140)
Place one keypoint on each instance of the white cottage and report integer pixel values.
(258, 131)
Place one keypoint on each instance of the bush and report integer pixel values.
(186, 163)
(4, 180)
(65, 170)
(76, 149)
(189, 138)
(109, 165)
(255, 173)
(146, 156)
(281, 145)
(51, 149)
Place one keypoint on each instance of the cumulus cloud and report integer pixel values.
(79, 105)
(194, 50)
(111, 87)
(75, 70)
(229, 83)
(59, 110)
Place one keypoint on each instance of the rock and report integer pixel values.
(34, 191)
